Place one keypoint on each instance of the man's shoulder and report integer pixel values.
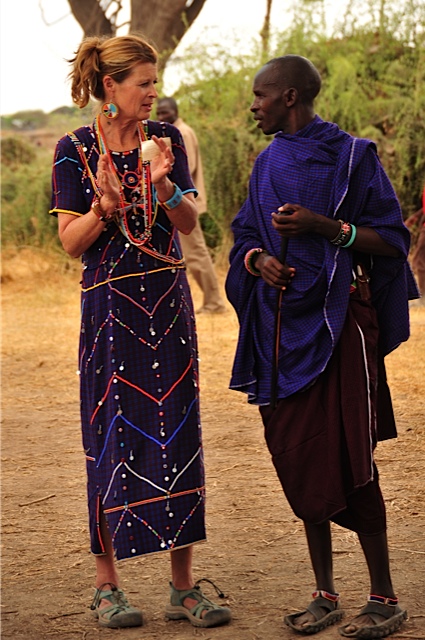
(184, 128)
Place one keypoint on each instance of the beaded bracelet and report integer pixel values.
(352, 237)
(97, 210)
(175, 199)
(248, 261)
(343, 234)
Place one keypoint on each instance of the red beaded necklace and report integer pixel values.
(144, 204)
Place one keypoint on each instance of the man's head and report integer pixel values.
(167, 110)
(285, 89)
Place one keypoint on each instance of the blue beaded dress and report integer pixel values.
(138, 362)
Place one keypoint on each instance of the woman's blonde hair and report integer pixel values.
(97, 57)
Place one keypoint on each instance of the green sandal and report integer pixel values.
(120, 613)
(214, 616)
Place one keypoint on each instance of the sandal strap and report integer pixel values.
(203, 603)
(373, 609)
(320, 604)
(115, 596)
(392, 602)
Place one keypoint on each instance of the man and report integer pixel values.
(195, 250)
(326, 194)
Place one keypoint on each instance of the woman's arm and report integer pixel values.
(184, 214)
(77, 233)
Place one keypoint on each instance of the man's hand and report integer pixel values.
(298, 221)
(276, 275)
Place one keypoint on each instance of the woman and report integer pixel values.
(120, 208)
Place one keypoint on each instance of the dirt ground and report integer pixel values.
(255, 551)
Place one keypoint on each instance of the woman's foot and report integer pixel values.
(195, 606)
(112, 609)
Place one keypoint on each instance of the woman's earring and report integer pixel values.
(110, 110)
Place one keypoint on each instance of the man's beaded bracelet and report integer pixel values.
(343, 234)
(175, 199)
(249, 259)
(351, 238)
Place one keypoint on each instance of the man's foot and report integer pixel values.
(378, 619)
(321, 613)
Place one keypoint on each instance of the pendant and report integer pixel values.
(130, 179)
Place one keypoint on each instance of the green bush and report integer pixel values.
(25, 200)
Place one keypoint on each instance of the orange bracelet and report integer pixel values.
(97, 210)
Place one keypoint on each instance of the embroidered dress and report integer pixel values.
(138, 360)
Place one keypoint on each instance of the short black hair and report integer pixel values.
(170, 101)
(297, 72)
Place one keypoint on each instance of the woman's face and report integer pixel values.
(135, 96)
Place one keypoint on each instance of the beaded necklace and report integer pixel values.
(144, 203)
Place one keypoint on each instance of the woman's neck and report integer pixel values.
(120, 136)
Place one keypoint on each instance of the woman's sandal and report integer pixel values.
(214, 616)
(322, 600)
(377, 607)
(120, 613)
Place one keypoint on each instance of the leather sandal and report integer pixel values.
(377, 607)
(120, 613)
(215, 615)
(322, 600)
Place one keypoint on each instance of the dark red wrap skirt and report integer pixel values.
(322, 439)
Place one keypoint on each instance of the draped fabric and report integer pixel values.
(322, 439)
(336, 175)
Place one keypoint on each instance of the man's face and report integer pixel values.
(165, 112)
(269, 105)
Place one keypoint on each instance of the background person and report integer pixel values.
(333, 400)
(138, 360)
(195, 250)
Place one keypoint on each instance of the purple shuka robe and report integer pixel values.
(336, 175)
(332, 408)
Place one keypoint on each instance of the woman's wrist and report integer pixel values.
(102, 209)
(108, 206)
(164, 189)
(173, 201)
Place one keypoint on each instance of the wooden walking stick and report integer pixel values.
(276, 340)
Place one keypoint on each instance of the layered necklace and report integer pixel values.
(139, 181)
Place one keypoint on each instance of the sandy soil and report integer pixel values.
(255, 551)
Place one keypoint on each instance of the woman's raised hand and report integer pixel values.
(108, 183)
(163, 163)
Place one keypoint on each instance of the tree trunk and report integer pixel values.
(265, 31)
(162, 22)
(91, 18)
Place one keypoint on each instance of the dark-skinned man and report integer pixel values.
(328, 195)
